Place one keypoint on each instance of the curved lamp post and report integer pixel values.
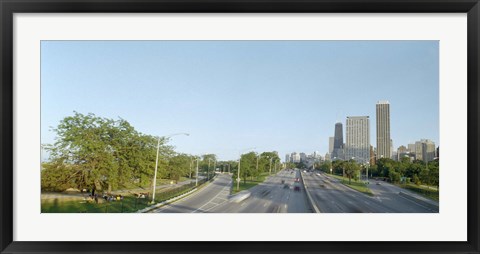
(156, 161)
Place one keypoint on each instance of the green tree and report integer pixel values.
(338, 167)
(351, 170)
(248, 165)
(207, 164)
(325, 166)
(178, 166)
(100, 153)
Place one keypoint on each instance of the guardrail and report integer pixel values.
(175, 198)
(309, 197)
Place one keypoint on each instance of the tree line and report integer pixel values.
(417, 171)
(252, 165)
(92, 152)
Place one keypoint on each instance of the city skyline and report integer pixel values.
(280, 96)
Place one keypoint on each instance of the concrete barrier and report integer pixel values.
(428, 205)
(166, 202)
(309, 197)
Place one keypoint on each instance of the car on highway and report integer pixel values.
(286, 186)
(296, 186)
(239, 197)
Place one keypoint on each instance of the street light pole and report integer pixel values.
(155, 174)
(208, 169)
(196, 178)
(238, 171)
(270, 172)
(156, 161)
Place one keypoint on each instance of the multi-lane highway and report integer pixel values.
(331, 196)
(277, 195)
(203, 200)
(271, 196)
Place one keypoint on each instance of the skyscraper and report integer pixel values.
(330, 145)
(295, 157)
(338, 153)
(425, 150)
(383, 130)
(303, 157)
(358, 139)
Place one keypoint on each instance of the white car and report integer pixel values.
(239, 197)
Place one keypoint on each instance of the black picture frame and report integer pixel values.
(9, 7)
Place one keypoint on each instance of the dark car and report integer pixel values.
(283, 181)
(286, 186)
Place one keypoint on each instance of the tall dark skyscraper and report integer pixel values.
(383, 130)
(338, 153)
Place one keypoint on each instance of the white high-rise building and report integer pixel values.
(330, 144)
(295, 157)
(357, 145)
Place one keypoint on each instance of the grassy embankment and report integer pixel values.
(249, 183)
(431, 193)
(129, 204)
(356, 185)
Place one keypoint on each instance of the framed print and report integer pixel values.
(234, 126)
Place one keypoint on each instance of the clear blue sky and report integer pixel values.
(232, 95)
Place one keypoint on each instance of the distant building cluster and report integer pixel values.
(307, 159)
(357, 141)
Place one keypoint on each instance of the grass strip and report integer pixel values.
(249, 183)
(356, 185)
(424, 191)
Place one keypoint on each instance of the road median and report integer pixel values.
(309, 197)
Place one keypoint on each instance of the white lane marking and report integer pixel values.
(264, 205)
(227, 186)
(242, 204)
(196, 193)
(285, 206)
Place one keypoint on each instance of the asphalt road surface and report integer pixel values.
(205, 199)
(389, 195)
(271, 196)
(331, 196)
(277, 195)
